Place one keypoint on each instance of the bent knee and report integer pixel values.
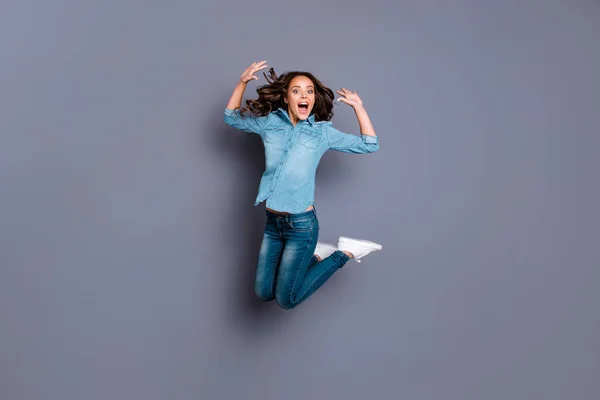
(264, 294)
(285, 302)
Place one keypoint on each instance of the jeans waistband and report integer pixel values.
(293, 217)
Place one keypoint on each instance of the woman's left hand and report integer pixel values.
(349, 97)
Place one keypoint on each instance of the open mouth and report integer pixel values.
(303, 107)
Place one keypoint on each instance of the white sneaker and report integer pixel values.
(358, 247)
(324, 250)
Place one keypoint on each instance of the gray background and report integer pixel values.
(129, 238)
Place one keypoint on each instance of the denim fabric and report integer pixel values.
(287, 270)
(292, 154)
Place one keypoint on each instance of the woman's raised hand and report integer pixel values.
(349, 97)
(248, 74)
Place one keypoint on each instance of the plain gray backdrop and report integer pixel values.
(128, 235)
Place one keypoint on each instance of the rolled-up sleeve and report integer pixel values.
(251, 124)
(348, 143)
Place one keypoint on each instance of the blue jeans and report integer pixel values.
(287, 270)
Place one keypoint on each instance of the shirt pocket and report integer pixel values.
(309, 138)
(274, 135)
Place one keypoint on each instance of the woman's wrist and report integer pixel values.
(359, 108)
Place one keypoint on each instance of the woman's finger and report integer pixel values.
(259, 67)
(256, 64)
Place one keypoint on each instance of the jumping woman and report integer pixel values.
(292, 116)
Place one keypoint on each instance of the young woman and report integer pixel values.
(292, 116)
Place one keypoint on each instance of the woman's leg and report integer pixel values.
(313, 260)
(295, 281)
(318, 274)
(268, 260)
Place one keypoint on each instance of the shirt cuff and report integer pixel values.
(370, 139)
(229, 112)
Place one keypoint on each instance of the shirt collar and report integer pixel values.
(310, 119)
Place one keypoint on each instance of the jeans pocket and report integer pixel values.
(302, 225)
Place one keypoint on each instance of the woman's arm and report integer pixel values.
(232, 115)
(236, 97)
(352, 99)
(367, 142)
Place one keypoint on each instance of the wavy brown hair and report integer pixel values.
(270, 96)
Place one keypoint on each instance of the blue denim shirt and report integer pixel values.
(292, 155)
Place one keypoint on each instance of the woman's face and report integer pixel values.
(300, 98)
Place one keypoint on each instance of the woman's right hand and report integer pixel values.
(248, 74)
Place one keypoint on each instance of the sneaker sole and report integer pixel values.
(362, 243)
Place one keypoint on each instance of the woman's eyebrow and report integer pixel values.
(311, 86)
